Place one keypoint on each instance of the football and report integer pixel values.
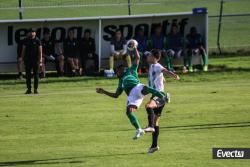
(132, 44)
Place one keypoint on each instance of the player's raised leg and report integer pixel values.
(146, 90)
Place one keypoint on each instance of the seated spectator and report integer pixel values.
(195, 46)
(70, 47)
(118, 50)
(142, 48)
(50, 55)
(174, 47)
(19, 54)
(87, 52)
(158, 41)
(59, 58)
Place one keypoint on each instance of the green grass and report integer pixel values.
(68, 124)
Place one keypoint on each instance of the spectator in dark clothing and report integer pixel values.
(49, 54)
(87, 52)
(142, 48)
(19, 55)
(158, 40)
(195, 46)
(70, 47)
(174, 47)
(118, 49)
(32, 57)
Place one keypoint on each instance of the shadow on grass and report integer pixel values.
(208, 126)
(202, 126)
(69, 160)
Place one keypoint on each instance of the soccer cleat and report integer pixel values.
(138, 133)
(153, 149)
(184, 70)
(28, 91)
(205, 68)
(167, 98)
(190, 69)
(35, 91)
(149, 129)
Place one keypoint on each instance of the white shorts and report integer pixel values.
(135, 96)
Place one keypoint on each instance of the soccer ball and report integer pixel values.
(132, 43)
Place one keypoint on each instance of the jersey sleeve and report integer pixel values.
(112, 42)
(39, 43)
(134, 67)
(159, 68)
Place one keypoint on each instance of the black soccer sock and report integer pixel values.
(151, 115)
(155, 137)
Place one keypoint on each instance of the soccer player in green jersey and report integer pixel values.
(129, 82)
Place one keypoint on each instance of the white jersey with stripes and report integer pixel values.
(156, 78)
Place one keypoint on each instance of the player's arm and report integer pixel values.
(23, 52)
(110, 94)
(137, 57)
(170, 73)
(40, 54)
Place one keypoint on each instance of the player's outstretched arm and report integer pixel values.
(137, 57)
(170, 73)
(110, 94)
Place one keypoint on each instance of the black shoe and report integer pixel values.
(28, 91)
(35, 91)
(42, 75)
(20, 76)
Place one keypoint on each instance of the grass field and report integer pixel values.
(235, 30)
(68, 124)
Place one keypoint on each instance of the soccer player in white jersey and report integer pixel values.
(155, 106)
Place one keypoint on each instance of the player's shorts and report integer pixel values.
(158, 110)
(136, 97)
(159, 102)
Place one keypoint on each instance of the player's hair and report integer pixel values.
(156, 53)
(46, 31)
(193, 29)
(32, 30)
(70, 30)
(87, 31)
(140, 29)
(118, 30)
(174, 26)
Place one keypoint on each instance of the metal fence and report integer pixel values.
(229, 20)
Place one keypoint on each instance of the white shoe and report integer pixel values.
(149, 129)
(184, 70)
(152, 150)
(138, 133)
(167, 98)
